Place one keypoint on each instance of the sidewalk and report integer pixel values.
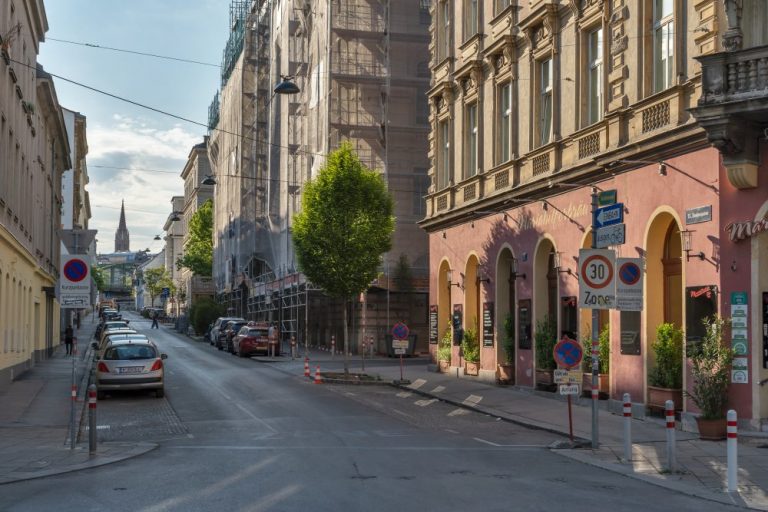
(35, 414)
(701, 465)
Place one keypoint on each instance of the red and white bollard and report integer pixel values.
(669, 412)
(318, 378)
(732, 442)
(627, 428)
(92, 419)
(306, 367)
(293, 348)
(333, 346)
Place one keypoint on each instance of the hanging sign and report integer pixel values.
(487, 324)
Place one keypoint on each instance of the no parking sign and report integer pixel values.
(629, 284)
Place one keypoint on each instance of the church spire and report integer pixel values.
(122, 239)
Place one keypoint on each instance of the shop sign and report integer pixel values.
(739, 371)
(629, 285)
(606, 197)
(741, 230)
(698, 215)
(597, 288)
(433, 324)
(487, 324)
(739, 298)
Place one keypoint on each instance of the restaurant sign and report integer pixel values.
(741, 230)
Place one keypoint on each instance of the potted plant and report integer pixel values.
(665, 381)
(507, 366)
(470, 347)
(444, 351)
(710, 372)
(545, 340)
(604, 361)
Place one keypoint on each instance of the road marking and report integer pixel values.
(417, 383)
(404, 394)
(403, 413)
(424, 403)
(484, 441)
(472, 400)
(451, 431)
(333, 448)
(458, 412)
(249, 413)
(509, 445)
(438, 389)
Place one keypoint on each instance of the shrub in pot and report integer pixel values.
(470, 348)
(545, 340)
(507, 364)
(665, 381)
(444, 351)
(710, 372)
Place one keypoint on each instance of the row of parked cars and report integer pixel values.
(126, 360)
(242, 338)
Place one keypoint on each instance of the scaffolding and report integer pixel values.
(238, 11)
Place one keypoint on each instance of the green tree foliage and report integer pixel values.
(155, 279)
(668, 353)
(203, 312)
(344, 227)
(98, 278)
(198, 251)
(545, 339)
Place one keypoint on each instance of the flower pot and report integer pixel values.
(603, 380)
(657, 397)
(506, 372)
(545, 380)
(712, 430)
(444, 366)
(471, 368)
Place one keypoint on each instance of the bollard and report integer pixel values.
(92, 419)
(293, 348)
(733, 464)
(333, 345)
(627, 428)
(669, 412)
(72, 406)
(318, 379)
(306, 367)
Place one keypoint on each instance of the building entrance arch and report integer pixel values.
(506, 310)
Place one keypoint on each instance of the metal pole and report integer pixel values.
(627, 428)
(595, 343)
(73, 402)
(669, 411)
(732, 442)
(92, 419)
(570, 418)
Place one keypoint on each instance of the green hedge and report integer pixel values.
(204, 312)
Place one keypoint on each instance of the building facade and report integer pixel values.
(174, 227)
(34, 153)
(534, 106)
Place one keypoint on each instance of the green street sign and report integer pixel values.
(606, 198)
(738, 297)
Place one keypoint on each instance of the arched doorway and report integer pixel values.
(505, 314)
(545, 294)
(471, 294)
(665, 289)
(444, 306)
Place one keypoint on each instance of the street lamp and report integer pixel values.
(286, 86)
(514, 274)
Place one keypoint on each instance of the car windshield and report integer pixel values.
(130, 352)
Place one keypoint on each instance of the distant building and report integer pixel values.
(122, 238)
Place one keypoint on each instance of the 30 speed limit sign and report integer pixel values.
(597, 287)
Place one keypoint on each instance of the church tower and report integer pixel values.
(122, 241)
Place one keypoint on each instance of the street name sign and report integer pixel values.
(610, 235)
(597, 286)
(629, 284)
(606, 197)
(608, 215)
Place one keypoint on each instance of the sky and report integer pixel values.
(135, 154)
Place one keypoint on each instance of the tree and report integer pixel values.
(98, 278)
(155, 279)
(198, 251)
(344, 227)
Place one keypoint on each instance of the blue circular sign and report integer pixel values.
(400, 331)
(629, 273)
(75, 270)
(568, 352)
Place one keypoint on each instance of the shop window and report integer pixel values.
(700, 304)
(524, 323)
(568, 318)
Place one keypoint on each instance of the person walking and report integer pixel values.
(69, 338)
(154, 321)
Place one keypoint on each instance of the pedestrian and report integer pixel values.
(69, 338)
(77, 320)
(154, 321)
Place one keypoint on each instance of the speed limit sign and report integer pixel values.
(597, 287)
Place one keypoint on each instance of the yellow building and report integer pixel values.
(34, 153)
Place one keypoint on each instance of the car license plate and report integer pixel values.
(130, 369)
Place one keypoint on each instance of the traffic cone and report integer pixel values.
(306, 367)
(318, 379)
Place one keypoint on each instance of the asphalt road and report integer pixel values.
(239, 435)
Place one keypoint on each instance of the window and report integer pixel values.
(470, 18)
(501, 5)
(545, 102)
(424, 17)
(505, 122)
(422, 106)
(471, 140)
(595, 76)
(420, 189)
(444, 31)
(444, 156)
(663, 44)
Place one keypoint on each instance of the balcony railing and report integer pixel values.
(734, 76)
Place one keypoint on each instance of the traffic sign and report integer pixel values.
(568, 376)
(396, 344)
(610, 235)
(629, 284)
(400, 331)
(606, 197)
(74, 282)
(608, 215)
(76, 270)
(399, 351)
(569, 389)
(567, 352)
(597, 288)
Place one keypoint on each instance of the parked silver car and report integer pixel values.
(129, 365)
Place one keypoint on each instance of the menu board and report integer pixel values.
(433, 324)
(524, 324)
(487, 324)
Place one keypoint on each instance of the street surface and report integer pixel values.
(241, 435)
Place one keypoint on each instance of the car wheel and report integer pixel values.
(159, 393)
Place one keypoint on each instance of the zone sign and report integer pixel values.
(597, 286)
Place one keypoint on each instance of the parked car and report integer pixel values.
(119, 334)
(218, 325)
(252, 338)
(130, 365)
(229, 332)
(103, 325)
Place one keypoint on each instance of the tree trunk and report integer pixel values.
(346, 340)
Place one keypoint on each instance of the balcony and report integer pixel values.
(733, 109)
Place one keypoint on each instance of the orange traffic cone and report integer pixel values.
(318, 379)
(306, 367)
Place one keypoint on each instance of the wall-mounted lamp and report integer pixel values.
(482, 277)
(209, 180)
(662, 169)
(557, 263)
(286, 86)
(686, 236)
(514, 270)
(449, 278)
(175, 216)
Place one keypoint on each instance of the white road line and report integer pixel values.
(484, 441)
(417, 383)
(458, 412)
(451, 431)
(438, 389)
(253, 416)
(404, 394)
(424, 403)
(472, 400)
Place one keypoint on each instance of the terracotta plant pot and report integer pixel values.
(712, 430)
(657, 397)
(471, 368)
(444, 366)
(506, 372)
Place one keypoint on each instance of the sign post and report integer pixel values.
(568, 353)
(400, 334)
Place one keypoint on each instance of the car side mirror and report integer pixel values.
(163, 356)
(95, 346)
